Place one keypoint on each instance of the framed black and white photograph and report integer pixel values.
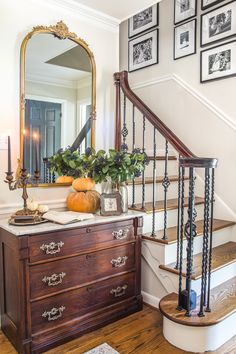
(218, 24)
(208, 3)
(143, 51)
(184, 10)
(144, 20)
(185, 39)
(111, 204)
(218, 62)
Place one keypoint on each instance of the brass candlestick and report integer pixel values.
(23, 179)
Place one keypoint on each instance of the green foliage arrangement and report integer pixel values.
(101, 166)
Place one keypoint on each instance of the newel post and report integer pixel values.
(118, 114)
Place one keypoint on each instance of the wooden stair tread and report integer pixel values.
(222, 302)
(171, 205)
(172, 231)
(162, 158)
(149, 180)
(222, 256)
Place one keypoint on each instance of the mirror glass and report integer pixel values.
(58, 99)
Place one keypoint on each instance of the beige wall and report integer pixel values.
(202, 115)
(17, 17)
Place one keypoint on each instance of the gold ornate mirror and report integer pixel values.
(58, 97)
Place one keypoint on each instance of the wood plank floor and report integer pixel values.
(140, 333)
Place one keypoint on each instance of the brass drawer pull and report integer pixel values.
(54, 313)
(54, 279)
(120, 234)
(119, 262)
(52, 247)
(119, 291)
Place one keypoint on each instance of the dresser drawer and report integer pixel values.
(59, 309)
(69, 242)
(66, 273)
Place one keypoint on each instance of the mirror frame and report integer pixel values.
(61, 31)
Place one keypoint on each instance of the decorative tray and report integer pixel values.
(27, 223)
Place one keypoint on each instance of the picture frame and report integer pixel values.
(111, 204)
(218, 24)
(143, 50)
(185, 36)
(184, 10)
(205, 4)
(218, 62)
(144, 20)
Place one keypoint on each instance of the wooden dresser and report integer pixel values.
(60, 282)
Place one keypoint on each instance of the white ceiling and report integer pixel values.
(120, 9)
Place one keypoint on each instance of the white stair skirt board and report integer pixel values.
(150, 299)
(217, 277)
(199, 339)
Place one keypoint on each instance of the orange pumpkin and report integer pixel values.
(83, 184)
(84, 202)
(64, 179)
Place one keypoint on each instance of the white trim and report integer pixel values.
(192, 91)
(52, 81)
(94, 16)
(150, 299)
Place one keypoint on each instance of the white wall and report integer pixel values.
(202, 115)
(17, 17)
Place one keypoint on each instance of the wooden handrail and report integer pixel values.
(82, 134)
(121, 80)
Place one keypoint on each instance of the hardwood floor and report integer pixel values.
(140, 333)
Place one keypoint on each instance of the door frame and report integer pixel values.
(63, 111)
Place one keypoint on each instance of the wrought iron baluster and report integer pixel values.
(205, 243)
(154, 184)
(143, 173)
(190, 233)
(133, 149)
(181, 233)
(124, 131)
(179, 220)
(165, 184)
(208, 306)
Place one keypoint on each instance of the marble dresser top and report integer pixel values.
(49, 226)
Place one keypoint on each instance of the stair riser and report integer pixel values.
(171, 219)
(219, 238)
(218, 277)
(172, 192)
(199, 339)
(160, 168)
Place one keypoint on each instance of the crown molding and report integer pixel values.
(144, 8)
(46, 80)
(94, 16)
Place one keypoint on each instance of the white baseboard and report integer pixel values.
(150, 299)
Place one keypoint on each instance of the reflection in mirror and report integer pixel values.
(58, 99)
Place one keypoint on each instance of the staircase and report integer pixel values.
(187, 251)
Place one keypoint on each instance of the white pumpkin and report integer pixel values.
(32, 205)
(43, 208)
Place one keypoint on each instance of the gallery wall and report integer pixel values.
(17, 18)
(202, 115)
